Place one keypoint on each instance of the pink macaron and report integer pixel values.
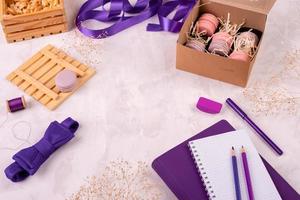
(240, 55)
(195, 44)
(206, 27)
(223, 36)
(249, 35)
(66, 80)
(221, 43)
(219, 47)
(208, 24)
(210, 17)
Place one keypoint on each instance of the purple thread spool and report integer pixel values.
(16, 104)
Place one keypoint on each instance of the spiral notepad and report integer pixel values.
(213, 160)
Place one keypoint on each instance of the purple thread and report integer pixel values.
(16, 104)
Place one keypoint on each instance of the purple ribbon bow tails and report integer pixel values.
(142, 10)
(29, 160)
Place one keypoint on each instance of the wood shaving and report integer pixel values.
(120, 180)
(245, 44)
(19, 7)
(278, 94)
(194, 35)
(228, 27)
(86, 49)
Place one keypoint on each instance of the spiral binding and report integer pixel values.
(201, 170)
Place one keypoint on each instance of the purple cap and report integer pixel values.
(209, 106)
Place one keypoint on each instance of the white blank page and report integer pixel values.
(215, 160)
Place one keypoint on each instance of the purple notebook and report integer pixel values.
(177, 169)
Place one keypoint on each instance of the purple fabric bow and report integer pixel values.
(28, 160)
(142, 10)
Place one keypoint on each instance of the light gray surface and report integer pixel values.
(138, 105)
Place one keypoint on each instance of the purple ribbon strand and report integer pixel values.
(141, 11)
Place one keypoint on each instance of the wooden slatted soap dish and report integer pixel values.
(36, 77)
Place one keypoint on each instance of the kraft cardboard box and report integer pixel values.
(214, 66)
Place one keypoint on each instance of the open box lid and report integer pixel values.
(262, 6)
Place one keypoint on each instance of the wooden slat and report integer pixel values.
(41, 33)
(63, 63)
(46, 68)
(32, 90)
(25, 65)
(2, 10)
(38, 80)
(83, 67)
(38, 74)
(29, 62)
(62, 3)
(45, 80)
(36, 32)
(26, 26)
(42, 61)
(18, 80)
(36, 84)
(19, 19)
(44, 99)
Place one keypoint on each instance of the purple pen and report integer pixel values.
(243, 115)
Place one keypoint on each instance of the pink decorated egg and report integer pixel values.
(195, 44)
(208, 24)
(240, 55)
(211, 18)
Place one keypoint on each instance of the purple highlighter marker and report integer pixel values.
(243, 115)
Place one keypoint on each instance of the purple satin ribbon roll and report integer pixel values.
(141, 11)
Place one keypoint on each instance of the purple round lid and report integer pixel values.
(66, 80)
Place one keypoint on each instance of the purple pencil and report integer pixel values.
(247, 174)
(236, 175)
